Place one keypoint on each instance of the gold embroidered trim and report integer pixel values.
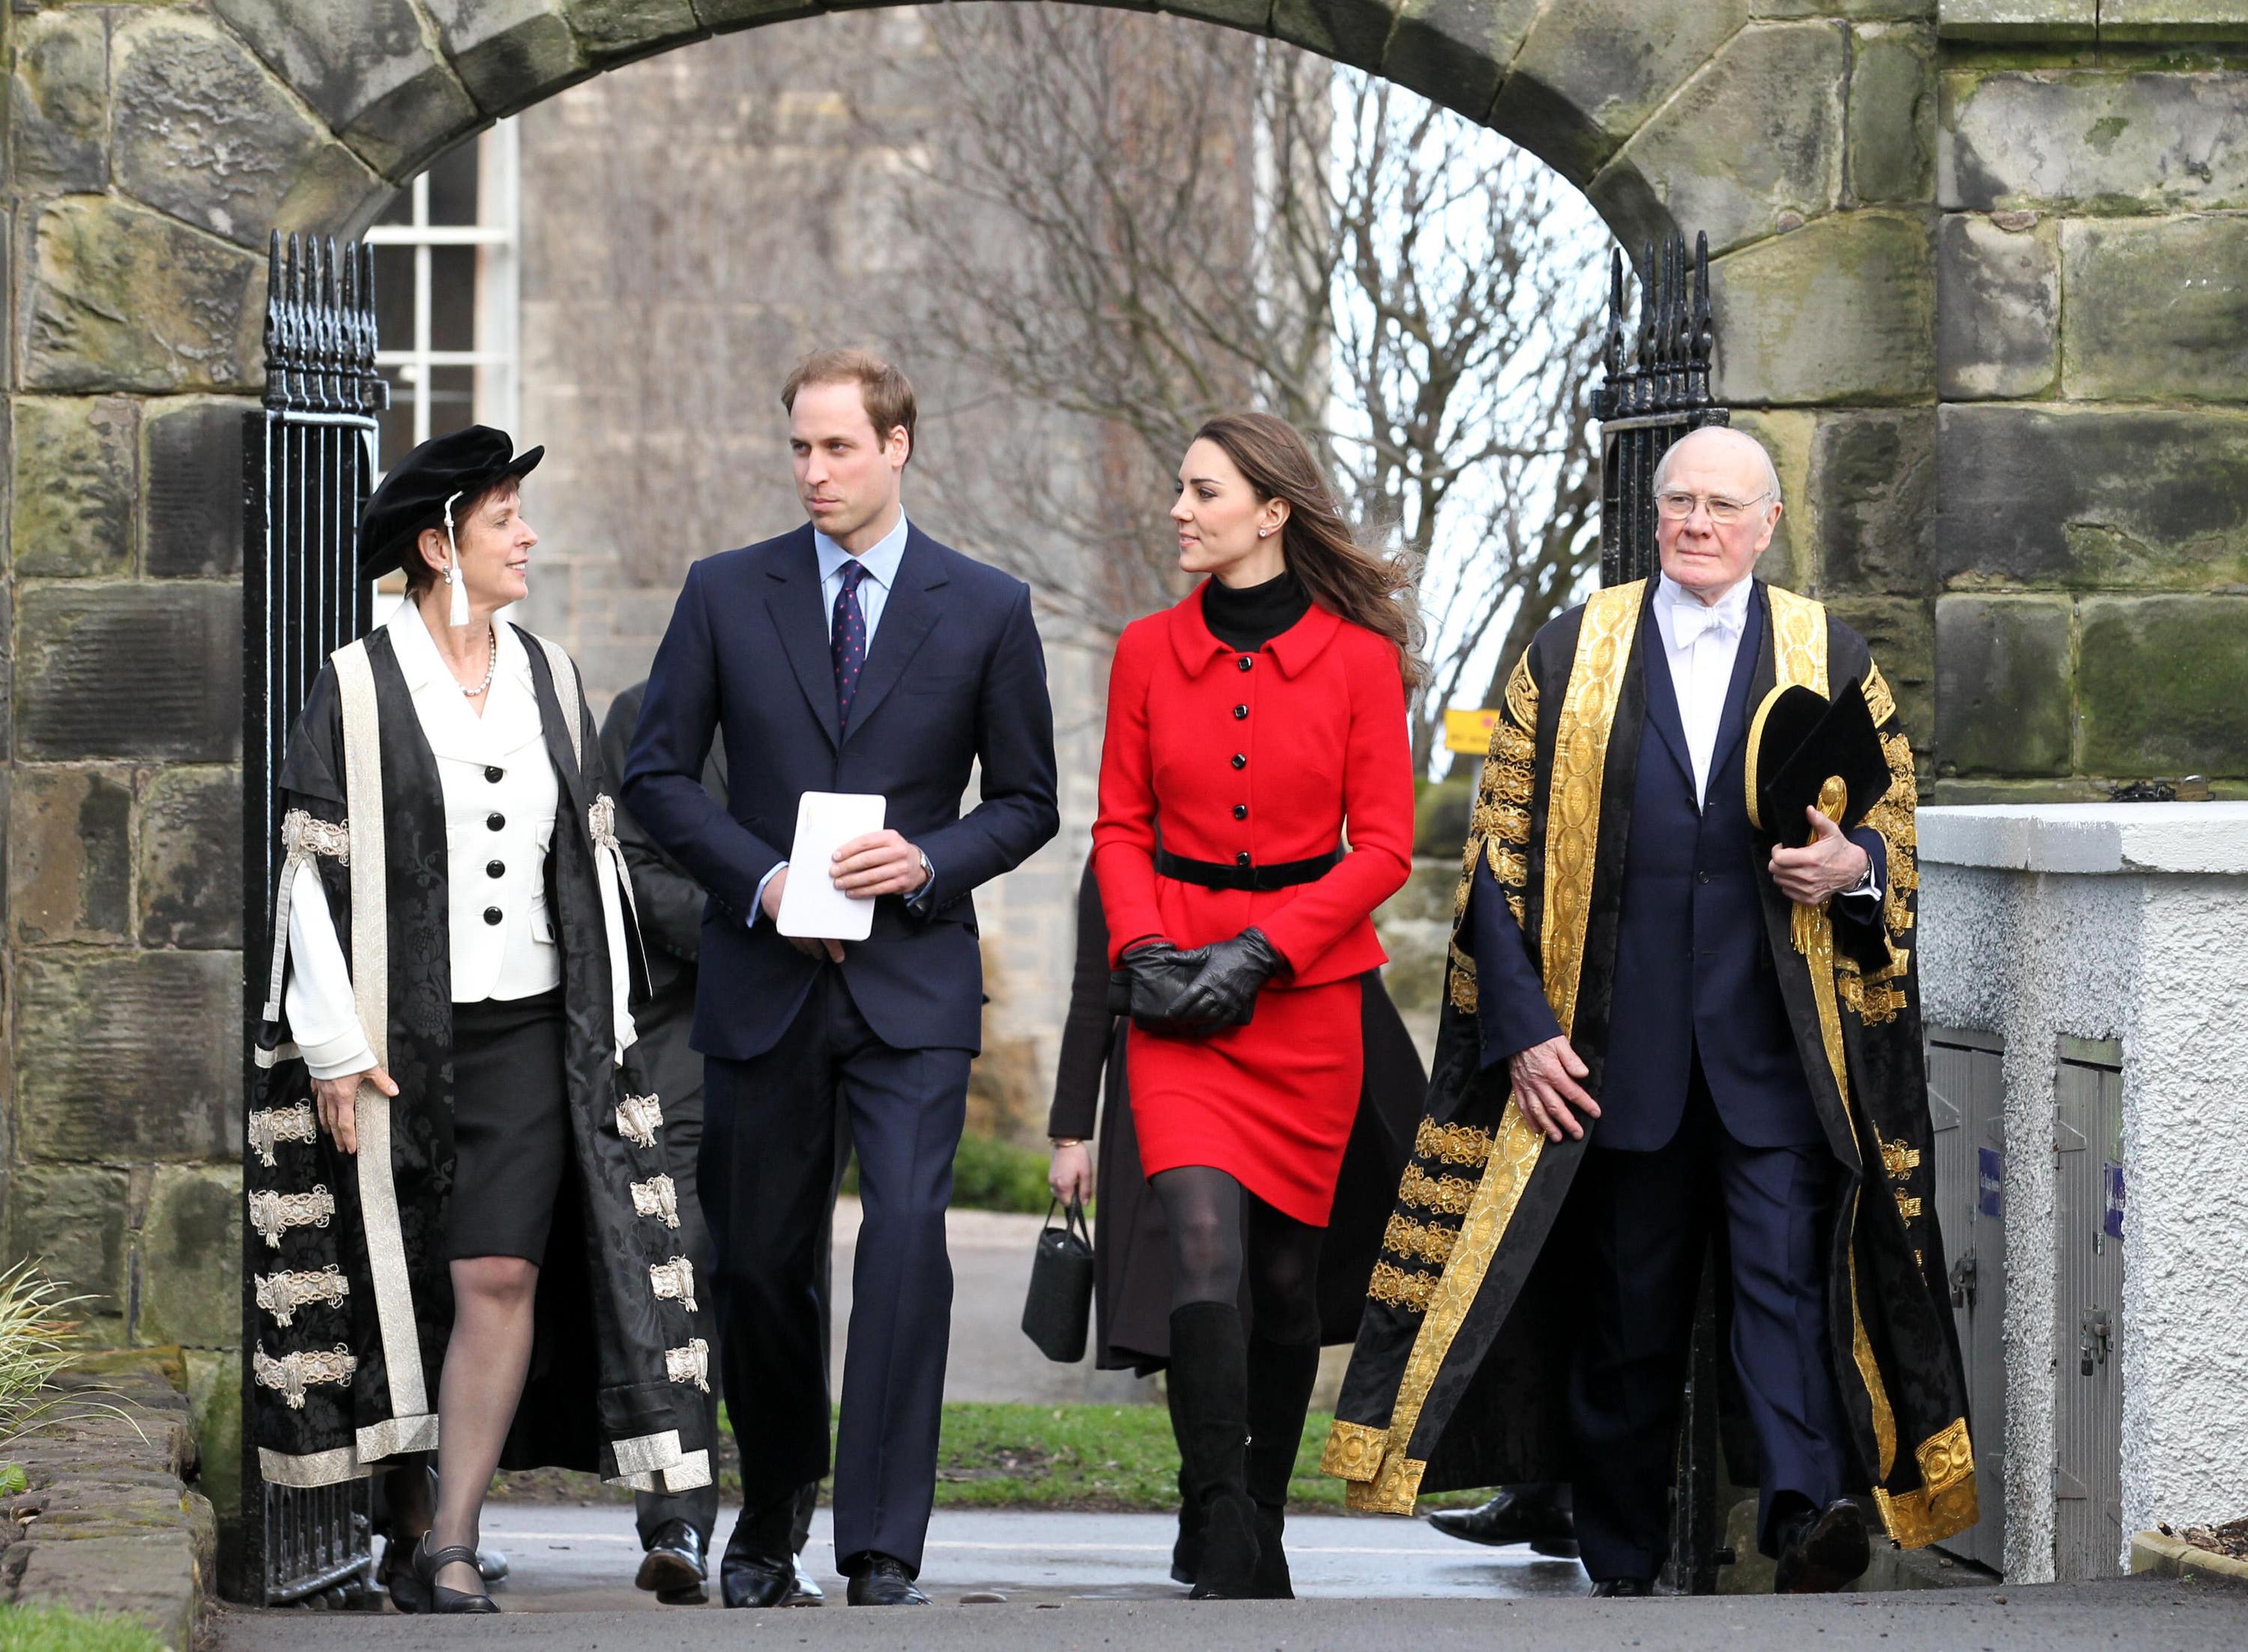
(690, 1364)
(1401, 1288)
(1353, 1452)
(656, 1197)
(1877, 998)
(273, 1214)
(1460, 981)
(1947, 1501)
(674, 1281)
(1893, 817)
(1879, 700)
(1453, 1143)
(293, 1373)
(268, 1126)
(1909, 1209)
(1869, 1370)
(1499, 826)
(304, 834)
(639, 1117)
(1899, 1158)
(1418, 1241)
(282, 1294)
(1446, 1195)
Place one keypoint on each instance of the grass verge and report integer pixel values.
(55, 1628)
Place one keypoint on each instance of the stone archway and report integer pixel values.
(2038, 510)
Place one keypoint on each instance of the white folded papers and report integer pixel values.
(811, 905)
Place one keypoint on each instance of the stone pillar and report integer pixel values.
(2112, 922)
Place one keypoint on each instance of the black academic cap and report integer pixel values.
(1805, 749)
(413, 496)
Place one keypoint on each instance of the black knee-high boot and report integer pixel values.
(1209, 1400)
(1280, 1379)
(1186, 1548)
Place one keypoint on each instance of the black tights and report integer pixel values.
(1203, 1210)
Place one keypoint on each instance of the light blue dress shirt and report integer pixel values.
(880, 560)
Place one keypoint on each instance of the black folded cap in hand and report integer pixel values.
(1805, 751)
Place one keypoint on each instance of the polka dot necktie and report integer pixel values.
(847, 640)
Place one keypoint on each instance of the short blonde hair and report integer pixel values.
(887, 394)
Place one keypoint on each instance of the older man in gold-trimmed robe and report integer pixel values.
(1663, 1026)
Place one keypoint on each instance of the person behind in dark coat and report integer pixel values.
(1256, 807)
(675, 1527)
(852, 655)
(1132, 1283)
(1664, 1021)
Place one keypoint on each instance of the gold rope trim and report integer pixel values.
(269, 1126)
(1572, 823)
(1413, 1241)
(1453, 1143)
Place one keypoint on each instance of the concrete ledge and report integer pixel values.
(2209, 839)
(2175, 1558)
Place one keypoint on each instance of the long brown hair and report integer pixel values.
(1342, 576)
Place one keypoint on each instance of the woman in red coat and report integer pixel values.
(1255, 807)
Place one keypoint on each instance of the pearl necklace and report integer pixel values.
(491, 663)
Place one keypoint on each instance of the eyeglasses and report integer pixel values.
(1722, 511)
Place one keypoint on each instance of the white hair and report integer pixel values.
(1770, 471)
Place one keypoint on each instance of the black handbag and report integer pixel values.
(1059, 1302)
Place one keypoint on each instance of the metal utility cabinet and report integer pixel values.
(2088, 1215)
(1966, 1100)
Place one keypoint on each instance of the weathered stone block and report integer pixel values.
(1589, 73)
(70, 868)
(192, 527)
(2003, 688)
(369, 71)
(2186, 22)
(123, 298)
(509, 53)
(1841, 311)
(190, 1255)
(1751, 143)
(1456, 52)
(2095, 141)
(214, 1399)
(2144, 497)
(130, 671)
(1249, 15)
(629, 28)
(2156, 311)
(741, 14)
(74, 477)
(2160, 684)
(72, 1219)
(1875, 475)
(1790, 560)
(191, 857)
(1903, 638)
(58, 107)
(1352, 31)
(1856, 11)
(1893, 113)
(2024, 20)
(1997, 306)
(131, 1057)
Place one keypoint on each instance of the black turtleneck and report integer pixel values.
(1249, 617)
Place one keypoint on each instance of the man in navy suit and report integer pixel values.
(1704, 1111)
(853, 655)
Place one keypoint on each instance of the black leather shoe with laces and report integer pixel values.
(1823, 1550)
(884, 1581)
(1621, 1588)
(673, 1569)
(805, 1591)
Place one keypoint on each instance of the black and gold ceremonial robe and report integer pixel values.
(1459, 1374)
(352, 1293)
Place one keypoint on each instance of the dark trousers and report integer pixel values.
(1640, 1225)
(767, 1175)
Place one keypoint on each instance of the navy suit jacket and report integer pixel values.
(1694, 970)
(955, 677)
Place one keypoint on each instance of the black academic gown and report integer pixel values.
(355, 1299)
(1132, 1285)
(1457, 1378)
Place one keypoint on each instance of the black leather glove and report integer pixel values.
(1224, 994)
(1147, 983)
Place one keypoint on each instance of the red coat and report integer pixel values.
(1267, 754)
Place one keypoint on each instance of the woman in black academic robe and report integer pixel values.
(465, 1242)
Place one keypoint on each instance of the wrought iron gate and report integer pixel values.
(308, 463)
(1649, 398)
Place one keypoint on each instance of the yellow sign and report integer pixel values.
(1469, 731)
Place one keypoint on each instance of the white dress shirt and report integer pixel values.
(492, 767)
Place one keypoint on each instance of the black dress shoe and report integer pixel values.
(397, 1577)
(805, 1591)
(1516, 1514)
(428, 1562)
(755, 1580)
(1619, 1588)
(884, 1581)
(492, 1563)
(673, 1569)
(1823, 1550)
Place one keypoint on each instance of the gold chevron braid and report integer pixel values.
(1604, 644)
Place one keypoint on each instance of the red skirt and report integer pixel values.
(1271, 1104)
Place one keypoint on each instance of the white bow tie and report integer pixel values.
(1690, 621)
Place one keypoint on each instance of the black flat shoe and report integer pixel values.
(746, 1580)
(673, 1569)
(1621, 1588)
(1823, 1550)
(885, 1582)
(805, 1591)
(428, 1564)
(1516, 1514)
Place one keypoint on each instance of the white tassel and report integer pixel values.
(459, 616)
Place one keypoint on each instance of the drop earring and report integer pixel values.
(459, 615)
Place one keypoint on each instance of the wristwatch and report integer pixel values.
(928, 871)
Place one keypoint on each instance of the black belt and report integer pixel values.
(1218, 874)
